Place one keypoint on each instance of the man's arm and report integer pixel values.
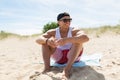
(79, 37)
(44, 37)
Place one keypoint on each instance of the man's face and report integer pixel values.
(65, 21)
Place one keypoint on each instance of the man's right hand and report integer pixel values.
(51, 42)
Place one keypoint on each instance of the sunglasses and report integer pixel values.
(66, 20)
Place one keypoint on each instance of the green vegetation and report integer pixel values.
(49, 26)
(4, 35)
(103, 29)
(97, 31)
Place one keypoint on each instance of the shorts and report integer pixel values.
(60, 56)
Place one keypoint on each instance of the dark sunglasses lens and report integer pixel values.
(67, 20)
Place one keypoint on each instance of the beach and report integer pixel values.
(20, 60)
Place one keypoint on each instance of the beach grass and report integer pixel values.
(4, 35)
(97, 31)
(103, 29)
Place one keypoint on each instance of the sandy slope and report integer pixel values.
(19, 60)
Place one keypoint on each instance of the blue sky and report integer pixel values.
(29, 16)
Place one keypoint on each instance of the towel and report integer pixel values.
(91, 60)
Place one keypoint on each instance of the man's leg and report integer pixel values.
(72, 56)
(46, 52)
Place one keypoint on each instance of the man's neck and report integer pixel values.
(64, 30)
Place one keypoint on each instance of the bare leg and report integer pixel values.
(72, 56)
(46, 52)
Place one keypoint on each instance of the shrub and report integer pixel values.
(49, 26)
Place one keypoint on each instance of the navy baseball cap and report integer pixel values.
(62, 15)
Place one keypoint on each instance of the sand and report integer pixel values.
(19, 60)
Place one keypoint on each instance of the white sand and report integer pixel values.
(19, 60)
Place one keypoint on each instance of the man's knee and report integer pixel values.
(44, 45)
(77, 46)
(48, 48)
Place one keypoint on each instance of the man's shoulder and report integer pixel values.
(51, 31)
(75, 29)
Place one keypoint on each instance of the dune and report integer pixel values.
(19, 60)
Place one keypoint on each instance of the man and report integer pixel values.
(64, 44)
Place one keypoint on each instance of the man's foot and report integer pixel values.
(66, 75)
(45, 71)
